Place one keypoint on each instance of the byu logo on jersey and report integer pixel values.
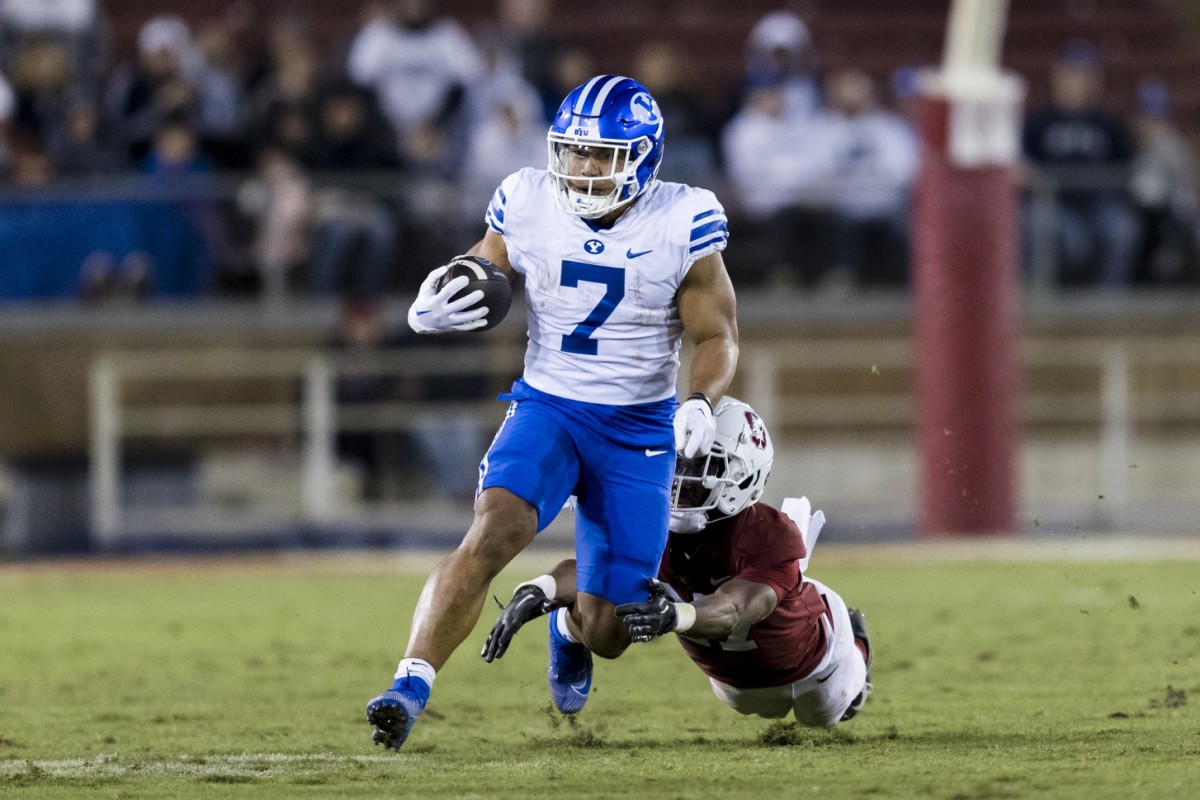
(643, 108)
(594, 246)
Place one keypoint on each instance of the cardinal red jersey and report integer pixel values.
(761, 545)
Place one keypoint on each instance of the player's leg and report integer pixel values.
(525, 477)
(570, 668)
(837, 688)
(448, 608)
(595, 623)
(454, 594)
(862, 641)
(772, 702)
(620, 531)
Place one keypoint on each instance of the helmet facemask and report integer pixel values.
(695, 489)
(731, 478)
(610, 127)
(618, 162)
(698, 481)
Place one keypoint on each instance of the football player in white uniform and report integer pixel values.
(617, 266)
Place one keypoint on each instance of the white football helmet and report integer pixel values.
(734, 474)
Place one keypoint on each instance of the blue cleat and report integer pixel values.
(394, 712)
(570, 670)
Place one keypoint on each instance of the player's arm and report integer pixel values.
(530, 600)
(708, 310)
(493, 247)
(735, 604)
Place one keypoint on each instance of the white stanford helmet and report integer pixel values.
(734, 473)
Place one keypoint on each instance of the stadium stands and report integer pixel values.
(1139, 37)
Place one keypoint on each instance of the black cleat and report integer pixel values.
(858, 626)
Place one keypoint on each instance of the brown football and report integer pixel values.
(486, 277)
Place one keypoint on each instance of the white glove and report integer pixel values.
(434, 312)
(695, 428)
(810, 525)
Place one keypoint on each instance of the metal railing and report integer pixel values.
(1111, 403)
(315, 417)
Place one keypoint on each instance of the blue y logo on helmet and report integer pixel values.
(643, 108)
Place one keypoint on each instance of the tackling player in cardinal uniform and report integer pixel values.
(731, 584)
(618, 266)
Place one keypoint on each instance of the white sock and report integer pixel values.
(560, 622)
(416, 668)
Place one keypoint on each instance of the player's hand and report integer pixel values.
(528, 602)
(695, 428)
(434, 312)
(651, 618)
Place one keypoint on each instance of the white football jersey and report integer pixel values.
(604, 326)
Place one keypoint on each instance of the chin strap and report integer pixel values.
(573, 198)
(688, 521)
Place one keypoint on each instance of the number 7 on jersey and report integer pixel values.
(580, 341)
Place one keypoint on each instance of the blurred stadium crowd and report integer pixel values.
(251, 153)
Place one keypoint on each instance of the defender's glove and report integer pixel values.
(695, 428)
(434, 312)
(528, 602)
(652, 618)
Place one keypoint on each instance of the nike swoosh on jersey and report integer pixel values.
(631, 255)
(652, 453)
(719, 581)
(830, 675)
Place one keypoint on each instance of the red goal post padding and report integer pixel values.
(966, 292)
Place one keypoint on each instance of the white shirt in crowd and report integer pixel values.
(412, 70)
(8, 100)
(861, 166)
(874, 160)
(59, 16)
(776, 162)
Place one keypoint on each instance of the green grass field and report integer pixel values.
(1058, 678)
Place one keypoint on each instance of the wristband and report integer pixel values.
(685, 617)
(545, 583)
(701, 396)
